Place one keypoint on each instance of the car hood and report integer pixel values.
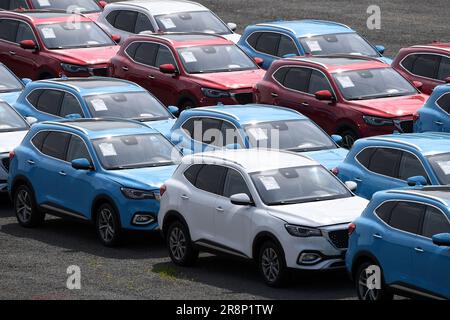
(143, 178)
(230, 80)
(10, 97)
(87, 56)
(162, 126)
(391, 107)
(10, 140)
(322, 213)
(328, 158)
(232, 37)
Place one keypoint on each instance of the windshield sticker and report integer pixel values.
(269, 183)
(258, 133)
(314, 46)
(445, 166)
(44, 3)
(392, 91)
(48, 33)
(93, 43)
(189, 57)
(99, 105)
(107, 149)
(346, 82)
(168, 23)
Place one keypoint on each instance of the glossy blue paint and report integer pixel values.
(435, 114)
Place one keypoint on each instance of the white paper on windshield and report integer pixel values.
(48, 33)
(168, 23)
(345, 81)
(188, 56)
(107, 149)
(99, 105)
(258, 133)
(445, 166)
(93, 43)
(44, 3)
(313, 45)
(5, 126)
(269, 183)
(393, 91)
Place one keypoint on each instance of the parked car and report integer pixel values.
(10, 85)
(105, 171)
(89, 8)
(256, 126)
(435, 114)
(402, 242)
(429, 64)
(94, 97)
(188, 70)
(397, 161)
(269, 206)
(280, 39)
(13, 129)
(132, 17)
(350, 96)
(42, 45)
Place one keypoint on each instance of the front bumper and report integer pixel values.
(139, 214)
(403, 125)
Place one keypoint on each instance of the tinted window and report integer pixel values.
(164, 56)
(111, 18)
(410, 166)
(50, 101)
(297, 79)
(4, 4)
(286, 46)
(280, 74)
(55, 145)
(143, 24)
(210, 178)
(425, 65)
(385, 210)
(24, 32)
(8, 30)
(15, 4)
(77, 150)
(385, 162)
(125, 20)
(70, 105)
(234, 184)
(188, 127)
(230, 135)
(34, 97)
(407, 216)
(364, 156)
(211, 131)
(444, 102)
(268, 43)
(318, 82)
(434, 223)
(146, 53)
(131, 49)
(192, 172)
(253, 39)
(38, 139)
(444, 69)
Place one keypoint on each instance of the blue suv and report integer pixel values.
(105, 171)
(94, 97)
(10, 85)
(397, 161)
(252, 126)
(401, 244)
(281, 39)
(435, 114)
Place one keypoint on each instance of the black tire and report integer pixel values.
(27, 212)
(348, 138)
(181, 249)
(272, 265)
(364, 293)
(186, 105)
(107, 225)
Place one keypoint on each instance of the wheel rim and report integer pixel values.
(177, 243)
(364, 292)
(23, 206)
(348, 141)
(106, 225)
(270, 264)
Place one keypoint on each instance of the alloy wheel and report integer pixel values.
(23, 206)
(177, 243)
(106, 225)
(270, 264)
(365, 292)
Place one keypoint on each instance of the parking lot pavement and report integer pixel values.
(33, 264)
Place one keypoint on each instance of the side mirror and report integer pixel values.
(337, 139)
(102, 4)
(351, 185)
(380, 49)
(417, 181)
(442, 239)
(241, 199)
(324, 95)
(31, 120)
(418, 84)
(26, 81)
(81, 164)
(447, 80)
(232, 26)
(168, 68)
(28, 44)
(173, 110)
(259, 61)
(116, 38)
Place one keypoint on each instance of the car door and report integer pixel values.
(423, 67)
(23, 61)
(46, 103)
(8, 33)
(264, 45)
(70, 107)
(164, 85)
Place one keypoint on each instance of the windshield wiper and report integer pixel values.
(148, 165)
(149, 119)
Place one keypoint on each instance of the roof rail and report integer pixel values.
(71, 123)
(162, 34)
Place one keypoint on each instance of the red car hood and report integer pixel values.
(87, 56)
(230, 80)
(391, 107)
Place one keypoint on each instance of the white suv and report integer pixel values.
(280, 209)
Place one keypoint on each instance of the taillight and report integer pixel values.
(12, 154)
(351, 228)
(335, 171)
(416, 116)
(162, 189)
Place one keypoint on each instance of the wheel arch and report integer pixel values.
(360, 258)
(100, 200)
(259, 240)
(170, 217)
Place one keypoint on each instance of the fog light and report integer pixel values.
(309, 258)
(142, 219)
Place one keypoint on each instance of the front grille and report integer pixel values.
(339, 238)
(405, 126)
(5, 164)
(244, 98)
(100, 72)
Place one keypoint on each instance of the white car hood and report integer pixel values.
(10, 140)
(321, 213)
(233, 37)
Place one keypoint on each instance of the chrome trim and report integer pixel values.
(65, 212)
(414, 291)
(210, 246)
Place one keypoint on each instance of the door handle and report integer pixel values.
(30, 162)
(13, 53)
(220, 209)
(275, 95)
(439, 123)
(377, 236)
(184, 197)
(418, 249)
(125, 68)
(151, 76)
(305, 104)
(62, 173)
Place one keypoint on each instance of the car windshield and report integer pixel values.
(8, 82)
(10, 120)
(136, 151)
(344, 43)
(196, 21)
(141, 106)
(441, 167)
(292, 135)
(298, 185)
(373, 84)
(220, 58)
(84, 6)
(74, 35)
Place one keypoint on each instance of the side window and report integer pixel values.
(164, 56)
(280, 74)
(143, 24)
(286, 46)
(252, 40)
(230, 135)
(424, 65)
(55, 145)
(39, 139)
(111, 17)
(210, 178)
(146, 53)
(188, 127)
(444, 69)
(192, 172)
(434, 223)
(211, 129)
(385, 161)
(234, 184)
(131, 49)
(268, 43)
(297, 79)
(77, 150)
(70, 105)
(24, 32)
(8, 30)
(384, 211)
(126, 20)
(444, 102)
(50, 101)
(410, 166)
(33, 97)
(317, 82)
(407, 216)
(4, 4)
(364, 156)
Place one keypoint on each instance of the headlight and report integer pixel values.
(303, 232)
(374, 121)
(137, 194)
(213, 93)
(74, 68)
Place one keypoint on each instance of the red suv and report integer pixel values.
(351, 96)
(428, 64)
(188, 70)
(41, 45)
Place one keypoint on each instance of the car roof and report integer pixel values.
(341, 62)
(252, 160)
(46, 16)
(443, 46)
(160, 7)
(439, 193)
(427, 143)
(179, 40)
(249, 113)
(308, 28)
